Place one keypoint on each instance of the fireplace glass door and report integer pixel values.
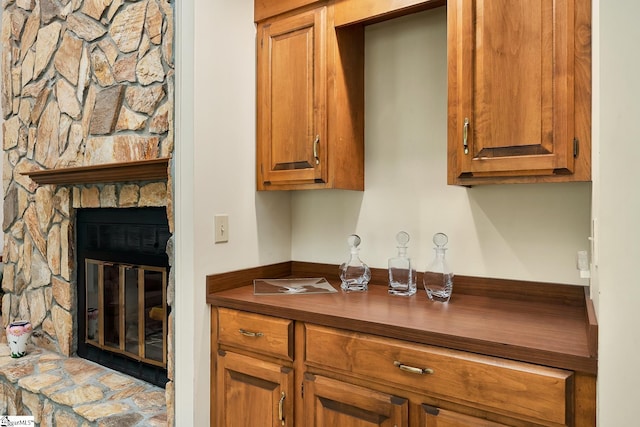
(126, 310)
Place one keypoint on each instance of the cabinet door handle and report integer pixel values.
(281, 408)
(316, 142)
(412, 369)
(465, 135)
(250, 333)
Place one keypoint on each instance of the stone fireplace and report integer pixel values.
(85, 83)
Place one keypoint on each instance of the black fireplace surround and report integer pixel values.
(131, 236)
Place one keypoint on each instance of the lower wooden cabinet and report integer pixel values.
(251, 392)
(509, 388)
(329, 402)
(436, 417)
(270, 371)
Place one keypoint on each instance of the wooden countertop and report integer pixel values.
(551, 325)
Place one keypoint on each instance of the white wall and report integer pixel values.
(215, 174)
(187, 410)
(617, 209)
(528, 232)
(225, 140)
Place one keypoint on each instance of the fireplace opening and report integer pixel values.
(123, 269)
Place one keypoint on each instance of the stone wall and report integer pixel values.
(84, 82)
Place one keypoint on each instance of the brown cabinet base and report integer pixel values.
(487, 358)
(344, 378)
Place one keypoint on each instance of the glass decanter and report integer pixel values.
(438, 278)
(402, 275)
(354, 273)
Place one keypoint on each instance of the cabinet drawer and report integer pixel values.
(503, 386)
(255, 332)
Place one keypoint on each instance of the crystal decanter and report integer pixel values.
(354, 273)
(402, 274)
(438, 278)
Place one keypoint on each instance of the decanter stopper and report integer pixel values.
(354, 273)
(402, 274)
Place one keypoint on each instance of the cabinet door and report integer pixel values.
(252, 393)
(511, 88)
(330, 403)
(435, 417)
(292, 100)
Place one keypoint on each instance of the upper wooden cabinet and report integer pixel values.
(310, 102)
(349, 12)
(519, 91)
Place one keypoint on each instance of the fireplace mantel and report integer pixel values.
(141, 170)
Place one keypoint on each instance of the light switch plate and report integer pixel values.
(221, 228)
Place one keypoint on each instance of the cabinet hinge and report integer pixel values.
(302, 389)
(576, 147)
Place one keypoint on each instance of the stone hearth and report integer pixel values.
(61, 391)
(84, 82)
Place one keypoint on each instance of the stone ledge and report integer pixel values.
(69, 391)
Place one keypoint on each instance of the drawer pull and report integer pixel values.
(281, 408)
(249, 333)
(412, 369)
